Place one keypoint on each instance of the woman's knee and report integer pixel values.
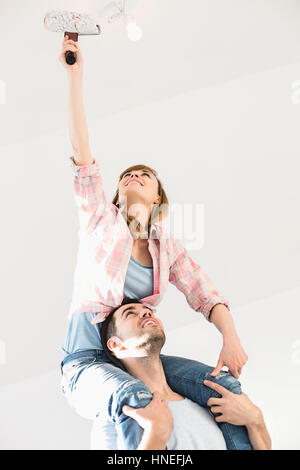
(133, 393)
(226, 380)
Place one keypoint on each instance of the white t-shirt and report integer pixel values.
(193, 429)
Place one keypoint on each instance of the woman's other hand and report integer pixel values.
(233, 356)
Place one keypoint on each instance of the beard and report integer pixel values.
(153, 342)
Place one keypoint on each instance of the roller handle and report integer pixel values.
(69, 55)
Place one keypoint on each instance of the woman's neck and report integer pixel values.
(139, 233)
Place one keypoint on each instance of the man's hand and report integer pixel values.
(238, 409)
(234, 408)
(156, 415)
(233, 356)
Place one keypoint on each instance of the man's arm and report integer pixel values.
(157, 421)
(152, 440)
(238, 409)
(258, 434)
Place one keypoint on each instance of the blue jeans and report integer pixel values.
(91, 381)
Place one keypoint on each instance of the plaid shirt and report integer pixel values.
(105, 246)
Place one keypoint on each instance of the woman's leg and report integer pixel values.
(93, 385)
(185, 376)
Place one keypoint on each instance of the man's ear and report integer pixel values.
(113, 343)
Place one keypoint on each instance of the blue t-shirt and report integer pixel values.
(81, 334)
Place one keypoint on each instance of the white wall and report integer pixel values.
(269, 332)
(233, 147)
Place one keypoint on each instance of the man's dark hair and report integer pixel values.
(108, 329)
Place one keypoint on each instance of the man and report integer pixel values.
(133, 337)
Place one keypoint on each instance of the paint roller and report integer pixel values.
(72, 24)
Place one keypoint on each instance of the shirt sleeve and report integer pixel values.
(194, 282)
(88, 191)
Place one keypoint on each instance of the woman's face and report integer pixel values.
(141, 185)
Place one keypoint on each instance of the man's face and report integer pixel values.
(139, 332)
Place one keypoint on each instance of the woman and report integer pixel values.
(125, 251)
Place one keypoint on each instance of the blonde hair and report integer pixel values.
(159, 211)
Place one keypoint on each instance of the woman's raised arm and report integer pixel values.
(78, 130)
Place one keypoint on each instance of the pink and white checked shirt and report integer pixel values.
(105, 246)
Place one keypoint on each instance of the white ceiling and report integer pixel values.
(186, 45)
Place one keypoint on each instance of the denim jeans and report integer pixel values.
(92, 383)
